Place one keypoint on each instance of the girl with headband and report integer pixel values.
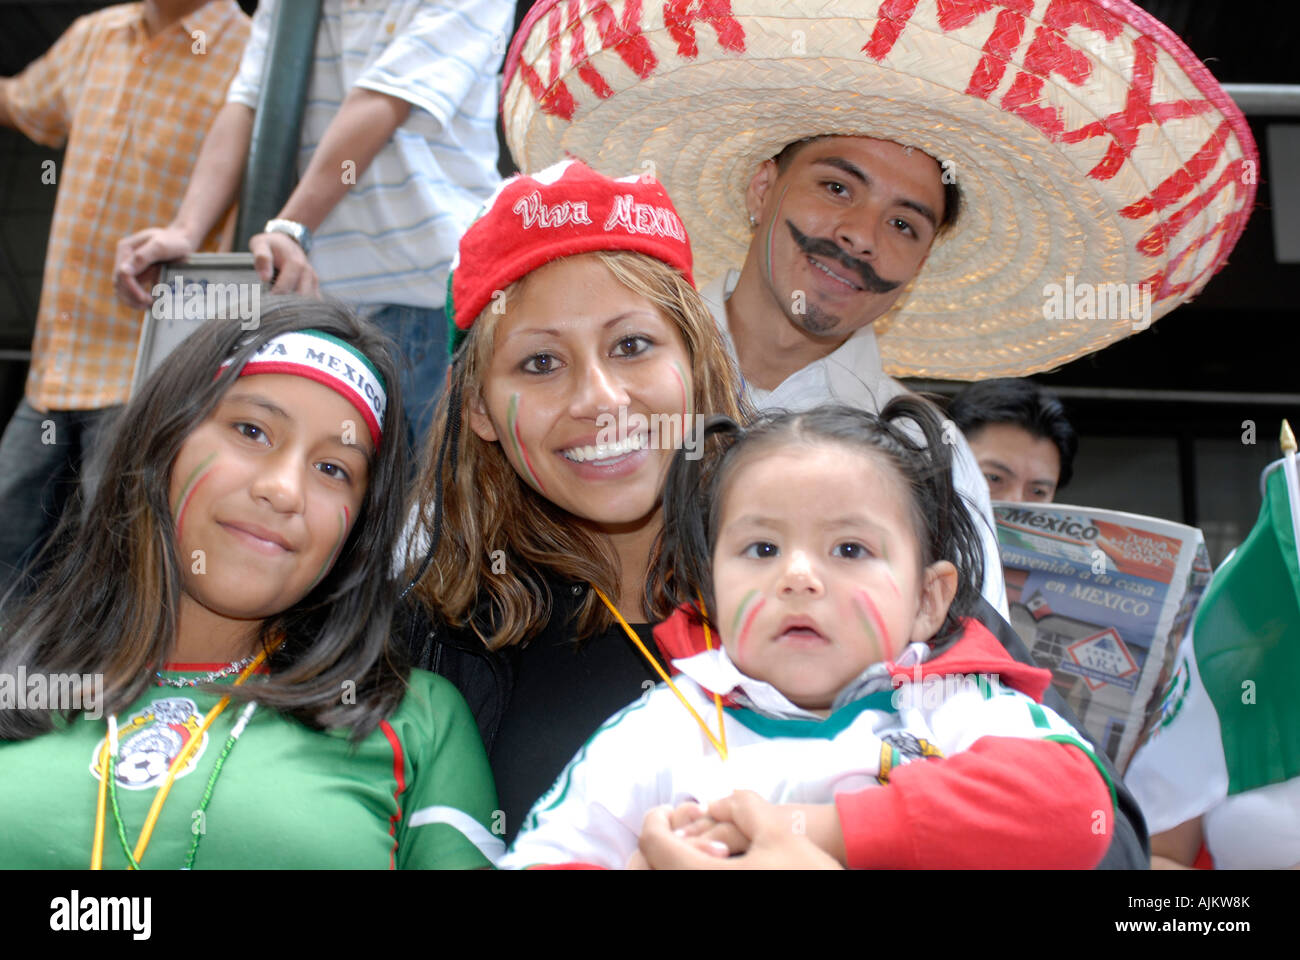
(209, 655)
(585, 351)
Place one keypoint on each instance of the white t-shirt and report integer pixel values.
(391, 239)
(853, 374)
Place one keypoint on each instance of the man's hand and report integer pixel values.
(139, 258)
(778, 838)
(277, 256)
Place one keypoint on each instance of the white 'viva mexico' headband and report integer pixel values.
(329, 361)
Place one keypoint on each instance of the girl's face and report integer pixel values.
(817, 570)
(588, 382)
(265, 492)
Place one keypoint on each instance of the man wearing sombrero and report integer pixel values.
(957, 189)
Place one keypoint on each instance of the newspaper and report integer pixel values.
(1102, 599)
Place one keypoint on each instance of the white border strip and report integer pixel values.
(491, 847)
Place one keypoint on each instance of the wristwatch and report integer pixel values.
(291, 228)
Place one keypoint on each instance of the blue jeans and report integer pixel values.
(43, 456)
(421, 337)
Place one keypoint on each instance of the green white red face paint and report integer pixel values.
(688, 397)
(872, 623)
(771, 234)
(889, 576)
(743, 619)
(893, 585)
(328, 565)
(521, 452)
(686, 439)
(187, 490)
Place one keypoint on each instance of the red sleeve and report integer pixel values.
(1005, 803)
(575, 865)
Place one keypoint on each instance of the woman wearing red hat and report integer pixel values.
(583, 354)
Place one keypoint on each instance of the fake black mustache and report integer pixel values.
(821, 247)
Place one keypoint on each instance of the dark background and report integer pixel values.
(1162, 414)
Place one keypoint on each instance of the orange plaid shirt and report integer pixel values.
(133, 111)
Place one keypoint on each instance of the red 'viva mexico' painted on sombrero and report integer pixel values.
(623, 34)
(1036, 48)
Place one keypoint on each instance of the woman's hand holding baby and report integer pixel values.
(755, 834)
(691, 824)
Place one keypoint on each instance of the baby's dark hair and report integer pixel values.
(694, 490)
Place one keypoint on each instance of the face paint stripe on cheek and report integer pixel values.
(747, 610)
(512, 419)
(771, 234)
(344, 517)
(869, 617)
(688, 398)
(187, 490)
(889, 577)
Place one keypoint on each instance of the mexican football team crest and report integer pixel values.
(150, 739)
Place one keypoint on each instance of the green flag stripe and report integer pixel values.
(1247, 643)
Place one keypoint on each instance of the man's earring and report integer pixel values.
(753, 221)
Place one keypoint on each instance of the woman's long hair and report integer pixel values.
(486, 506)
(908, 435)
(108, 601)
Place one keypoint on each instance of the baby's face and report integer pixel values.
(817, 572)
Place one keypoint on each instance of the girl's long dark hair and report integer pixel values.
(694, 490)
(107, 602)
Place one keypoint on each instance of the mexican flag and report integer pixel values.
(1229, 718)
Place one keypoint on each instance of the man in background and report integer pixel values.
(1020, 437)
(128, 91)
(398, 152)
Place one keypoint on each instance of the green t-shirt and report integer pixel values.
(416, 793)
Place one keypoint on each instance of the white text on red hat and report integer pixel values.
(644, 218)
(533, 211)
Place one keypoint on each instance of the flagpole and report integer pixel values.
(1292, 483)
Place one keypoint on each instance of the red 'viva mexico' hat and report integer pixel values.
(562, 211)
(1095, 154)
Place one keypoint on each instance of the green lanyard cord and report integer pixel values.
(212, 781)
(117, 816)
(203, 805)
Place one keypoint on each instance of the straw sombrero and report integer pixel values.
(1093, 150)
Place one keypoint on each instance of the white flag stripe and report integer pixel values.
(1180, 772)
(1292, 494)
(1256, 830)
(490, 846)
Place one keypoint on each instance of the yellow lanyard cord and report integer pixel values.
(97, 845)
(717, 700)
(719, 745)
(182, 758)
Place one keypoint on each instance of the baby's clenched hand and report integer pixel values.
(694, 828)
